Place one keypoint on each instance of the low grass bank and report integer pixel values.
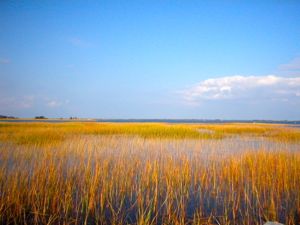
(54, 133)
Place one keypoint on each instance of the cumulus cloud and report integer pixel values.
(248, 88)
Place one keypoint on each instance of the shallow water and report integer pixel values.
(128, 157)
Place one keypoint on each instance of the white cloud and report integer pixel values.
(53, 103)
(24, 102)
(10, 104)
(249, 88)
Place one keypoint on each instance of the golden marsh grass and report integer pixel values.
(135, 173)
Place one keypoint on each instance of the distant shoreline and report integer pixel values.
(151, 121)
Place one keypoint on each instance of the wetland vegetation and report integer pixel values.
(148, 173)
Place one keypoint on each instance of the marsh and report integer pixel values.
(137, 173)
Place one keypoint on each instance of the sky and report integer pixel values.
(150, 59)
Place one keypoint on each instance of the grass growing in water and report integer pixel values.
(90, 173)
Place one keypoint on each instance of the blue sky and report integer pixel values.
(150, 59)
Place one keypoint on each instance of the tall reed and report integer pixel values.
(87, 178)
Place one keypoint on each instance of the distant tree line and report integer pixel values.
(7, 117)
(40, 117)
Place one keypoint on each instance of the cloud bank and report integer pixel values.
(248, 88)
